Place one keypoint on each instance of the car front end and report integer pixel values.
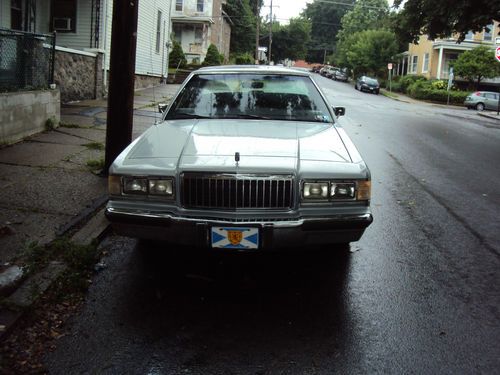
(242, 183)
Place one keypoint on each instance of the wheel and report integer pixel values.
(356, 86)
(480, 106)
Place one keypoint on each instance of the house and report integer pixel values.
(433, 58)
(83, 29)
(198, 23)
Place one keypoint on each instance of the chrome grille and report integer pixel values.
(231, 191)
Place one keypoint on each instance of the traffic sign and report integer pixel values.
(497, 53)
(389, 66)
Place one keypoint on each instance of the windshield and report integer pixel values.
(253, 96)
(371, 81)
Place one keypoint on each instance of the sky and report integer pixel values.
(286, 9)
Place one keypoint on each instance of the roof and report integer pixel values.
(250, 69)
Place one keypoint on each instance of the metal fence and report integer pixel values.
(26, 60)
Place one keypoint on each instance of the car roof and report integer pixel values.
(250, 69)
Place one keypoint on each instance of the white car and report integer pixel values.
(245, 158)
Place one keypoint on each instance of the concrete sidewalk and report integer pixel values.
(49, 181)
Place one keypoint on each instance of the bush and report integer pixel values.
(243, 59)
(213, 56)
(395, 86)
(425, 90)
(439, 84)
(409, 80)
(177, 56)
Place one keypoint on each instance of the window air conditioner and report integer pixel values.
(62, 24)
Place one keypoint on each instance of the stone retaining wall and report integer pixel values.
(78, 74)
(26, 112)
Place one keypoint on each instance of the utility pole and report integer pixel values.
(257, 32)
(270, 34)
(121, 79)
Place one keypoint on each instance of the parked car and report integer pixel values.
(368, 84)
(330, 73)
(482, 100)
(316, 68)
(245, 158)
(340, 75)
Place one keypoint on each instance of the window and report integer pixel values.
(158, 32)
(178, 5)
(16, 15)
(199, 5)
(488, 35)
(469, 36)
(198, 34)
(413, 64)
(425, 65)
(177, 32)
(64, 16)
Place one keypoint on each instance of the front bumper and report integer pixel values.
(275, 234)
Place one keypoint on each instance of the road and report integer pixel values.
(419, 293)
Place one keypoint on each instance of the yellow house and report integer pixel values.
(432, 58)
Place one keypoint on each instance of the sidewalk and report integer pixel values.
(49, 181)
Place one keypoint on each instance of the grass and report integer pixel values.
(68, 125)
(388, 94)
(95, 146)
(96, 163)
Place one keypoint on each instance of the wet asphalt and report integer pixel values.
(419, 293)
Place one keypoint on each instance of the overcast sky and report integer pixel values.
(286, 9)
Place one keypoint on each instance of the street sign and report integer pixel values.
(497, 53)
(389, 66)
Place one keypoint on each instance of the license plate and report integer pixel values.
(235, 238)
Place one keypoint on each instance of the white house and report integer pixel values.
(85, 25)
(198, 23)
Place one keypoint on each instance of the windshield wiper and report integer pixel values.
(245, 115)
(184, 115)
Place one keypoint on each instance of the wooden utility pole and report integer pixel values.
(270, 34)
(121, 79)
(257, 32)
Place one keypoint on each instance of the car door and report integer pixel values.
(491, 100)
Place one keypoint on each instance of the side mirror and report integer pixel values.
(162, 107)
(339, 111)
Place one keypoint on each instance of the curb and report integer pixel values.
(28, 292)
(487, 115)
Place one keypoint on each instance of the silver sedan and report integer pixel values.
(245, 158)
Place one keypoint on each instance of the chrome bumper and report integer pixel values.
(274, 234)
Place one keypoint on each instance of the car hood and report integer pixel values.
(211, 145)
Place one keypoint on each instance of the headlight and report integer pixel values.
(132, 185)
(161, 187)
(315, 190)
(336, 191)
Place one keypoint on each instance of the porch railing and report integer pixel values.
(26, 60)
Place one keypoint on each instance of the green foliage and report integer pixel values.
(368, 52)
(439, 84)
(409, 80)
(427, 90)
(365, 15)
(242, 59)
(96, 164)
(50, 124)
(476, 64)
(325, 24)
(213, 56)
(176, 56)
(95, 146)
(443, 18)
(243, 27)
(291, 41)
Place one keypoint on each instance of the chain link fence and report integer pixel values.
(26, 60)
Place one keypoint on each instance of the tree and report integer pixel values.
(325, 23)
(365, 15)
(444, 18)
(290, 41)
(243, 27)
(370, 51)
(476, 64)
(176, 56)
(213, 56)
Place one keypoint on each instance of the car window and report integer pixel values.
(267, 96)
